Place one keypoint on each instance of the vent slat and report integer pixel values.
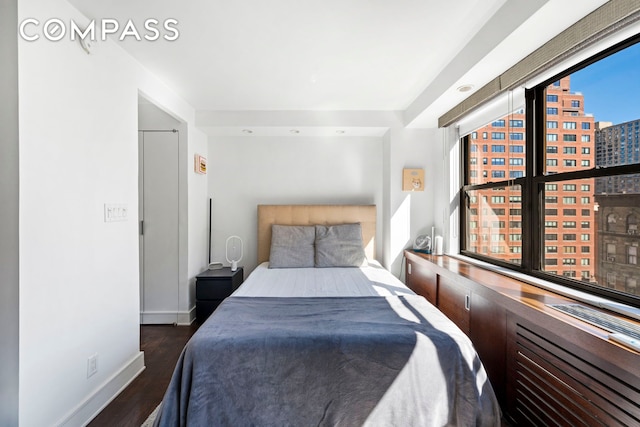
(556, 387)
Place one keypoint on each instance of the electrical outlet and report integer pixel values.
(92, 365)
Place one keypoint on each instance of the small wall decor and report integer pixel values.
(413, 180)
(200, 164)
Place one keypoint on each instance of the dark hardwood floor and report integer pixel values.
(162, 345)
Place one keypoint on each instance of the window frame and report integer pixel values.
(532, 185)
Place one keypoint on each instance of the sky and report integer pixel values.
(611, 87)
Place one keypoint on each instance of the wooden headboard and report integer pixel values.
(315, 214)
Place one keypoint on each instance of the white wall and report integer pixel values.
(247, 171)
(78, 275)
(9, 262)
(198, 218)
(409, 214)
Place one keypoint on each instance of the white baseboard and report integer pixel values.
(168, 317)
(104, 394)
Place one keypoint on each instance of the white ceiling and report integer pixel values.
(406, 56)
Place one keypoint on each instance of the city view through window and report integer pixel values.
(589, 225)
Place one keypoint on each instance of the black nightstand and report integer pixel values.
(212, 286)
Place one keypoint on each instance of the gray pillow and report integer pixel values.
(339, 246)
(292, 246)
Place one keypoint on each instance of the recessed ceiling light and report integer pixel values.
(464, 88)
(340, 131)
(247, 131)
(294, 131)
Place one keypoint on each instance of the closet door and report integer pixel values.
(159, 229)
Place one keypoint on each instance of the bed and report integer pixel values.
(321, 334)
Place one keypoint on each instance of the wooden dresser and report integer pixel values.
(546, 367)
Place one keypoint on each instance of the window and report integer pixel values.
(588, 228)
(632, 255)
(497, 148)
(632, 224)
(516, 123)
(497, 174)
(498, 124)
(497, 135)
(498, 161)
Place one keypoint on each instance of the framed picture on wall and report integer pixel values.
(200, 164)
(413, 180)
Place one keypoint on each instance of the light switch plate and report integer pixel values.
(115, 212)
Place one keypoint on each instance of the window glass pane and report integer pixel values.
(503, 152)
(568, 233)
(494, 223)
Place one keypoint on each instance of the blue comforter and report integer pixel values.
(328, 361)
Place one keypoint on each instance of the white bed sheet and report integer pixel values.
(372, 280)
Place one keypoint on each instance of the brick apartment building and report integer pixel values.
(618, 200)
(497, 153)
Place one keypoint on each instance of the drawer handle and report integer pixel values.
(467, 302)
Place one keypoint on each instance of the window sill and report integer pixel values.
(600, 302)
